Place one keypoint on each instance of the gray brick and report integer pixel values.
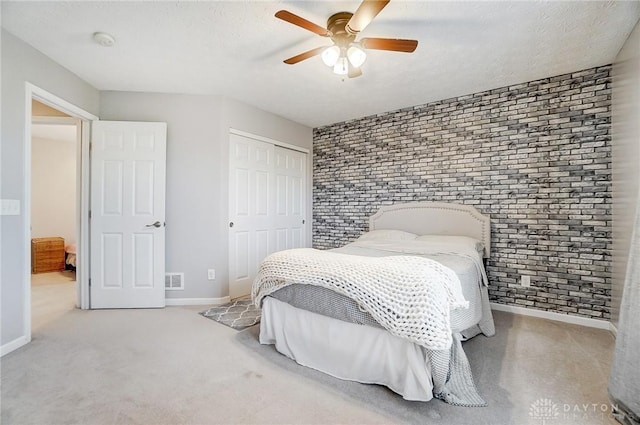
(534, 156)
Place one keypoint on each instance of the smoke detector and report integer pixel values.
(104, 39)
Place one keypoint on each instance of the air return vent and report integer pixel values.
(173, 281)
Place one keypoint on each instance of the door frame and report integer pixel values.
(82, 193)
(268, 140)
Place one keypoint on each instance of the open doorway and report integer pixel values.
(46, 109)
(82, 119)
(55, 145)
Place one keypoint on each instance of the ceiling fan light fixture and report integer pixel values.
(347, 55)
(331, 55)
(356, 56)
(341, 67)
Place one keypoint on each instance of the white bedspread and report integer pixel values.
(375, 356)
(409, 296)
(403, 366)
(376, 248)
(465, 261)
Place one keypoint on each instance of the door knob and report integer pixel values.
(156, 224)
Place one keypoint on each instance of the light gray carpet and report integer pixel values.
(487, 359)
(238, 314)
(171, 366)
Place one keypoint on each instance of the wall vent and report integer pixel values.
(173, 281)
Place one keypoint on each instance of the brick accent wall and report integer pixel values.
(534, 156)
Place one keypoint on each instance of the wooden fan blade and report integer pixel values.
(305, 55)
(367, 10)
(302, 23)
(354, 72)
(393, 44)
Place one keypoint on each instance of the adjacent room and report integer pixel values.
(54, 221)
(320, 212)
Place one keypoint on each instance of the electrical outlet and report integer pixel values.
(525, 281)
(211, 274)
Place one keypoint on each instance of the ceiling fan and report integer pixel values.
(347, 55)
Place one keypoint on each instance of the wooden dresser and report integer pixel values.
(47, 254)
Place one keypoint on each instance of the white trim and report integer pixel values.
(14, 345)
(83, 204)
(26, 229)
(43, 96)
(196, 301)
(557, 317)
(56, 102)
(268, 140)
(613, 329)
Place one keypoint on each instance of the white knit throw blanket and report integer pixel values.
(409, 296)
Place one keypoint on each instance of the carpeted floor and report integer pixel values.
(172, 366)
(511, 394)
(52, 295)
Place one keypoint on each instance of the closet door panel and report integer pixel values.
(266, 206)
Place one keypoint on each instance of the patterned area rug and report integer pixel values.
(238, 314)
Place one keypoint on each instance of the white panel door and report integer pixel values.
(128, 162)
(251, 210)
(290, 168)
(266, 206)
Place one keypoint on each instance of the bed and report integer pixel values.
(70, 257)
(327, 330)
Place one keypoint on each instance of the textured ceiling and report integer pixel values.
(235, 49)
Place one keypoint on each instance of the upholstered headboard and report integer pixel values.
(435, 218)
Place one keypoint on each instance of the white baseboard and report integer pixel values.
(13, 345)
(558, 317)
(196, 301)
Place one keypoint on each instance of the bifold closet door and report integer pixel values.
(290, 167)
(266, 206)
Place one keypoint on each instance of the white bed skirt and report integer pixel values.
(347, 351)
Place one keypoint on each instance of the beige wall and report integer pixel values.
(39, 109)
(53, 188)
(625, 158)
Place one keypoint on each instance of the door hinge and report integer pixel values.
(89, 282)
(89, 213)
